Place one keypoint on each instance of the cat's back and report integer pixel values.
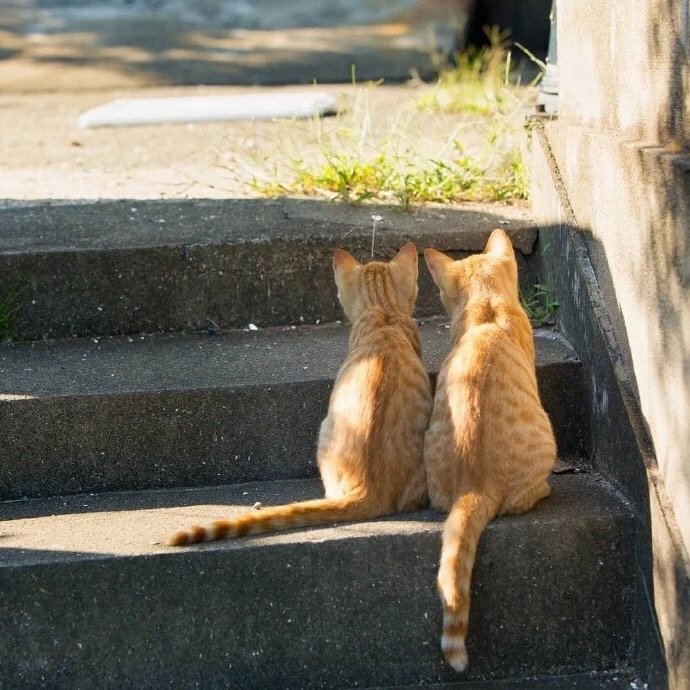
(397, 348)
(489, 355)
(382, 374)
(488, 383)
(514, 425)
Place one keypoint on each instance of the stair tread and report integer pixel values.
(336, 607)
(271, 356)
(113, 525)
(132, 267)
(193, 410)
(107, 225)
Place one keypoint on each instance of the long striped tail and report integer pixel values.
(274, 518)
(469, 516)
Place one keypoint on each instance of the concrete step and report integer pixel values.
(149, 266)
(147, 412)
(90, 598)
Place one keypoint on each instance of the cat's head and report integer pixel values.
(493, 273)
(391, 285)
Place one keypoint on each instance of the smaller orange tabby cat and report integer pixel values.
(370, 451)
(489, 448)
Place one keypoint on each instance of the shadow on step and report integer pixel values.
(35, 556)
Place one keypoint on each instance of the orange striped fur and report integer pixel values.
(489, 448)
(370, 449)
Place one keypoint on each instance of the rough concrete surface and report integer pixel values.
(620, 446)
(637, 210)
(635, 56)
(194, 410)
(133, 266)
(333, 607)
(133, 224)
(237, 358)
(628, 125)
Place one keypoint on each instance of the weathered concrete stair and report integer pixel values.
(162, 411)
(147, 266)
(178, 424)
(89, 597)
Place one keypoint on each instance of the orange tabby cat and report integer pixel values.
(370, 450)
(489, 448)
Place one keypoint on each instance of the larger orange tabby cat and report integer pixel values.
(489, 448)
(370, 450)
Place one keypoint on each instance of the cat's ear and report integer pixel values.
(407, 256)
(344, 265)
(407, 259)
(499, 245)
(438, 264)
(404, 267)
(343, 262)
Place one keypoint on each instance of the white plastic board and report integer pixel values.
(253, 106)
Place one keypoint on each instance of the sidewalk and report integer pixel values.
(61, 58)
(45, 155)
(66, 58)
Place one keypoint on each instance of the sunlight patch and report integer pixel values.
(8, 397)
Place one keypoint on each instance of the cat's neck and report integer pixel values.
(504, 313)
(479, 310)
(376, 317)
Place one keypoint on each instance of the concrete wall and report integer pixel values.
(620, 146)
(635, 201)
(623, 66)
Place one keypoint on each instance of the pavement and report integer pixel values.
(45, 155)
(61, 58)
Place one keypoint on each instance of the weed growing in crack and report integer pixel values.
(540, 304)
(460, 140)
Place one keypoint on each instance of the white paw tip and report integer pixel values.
(455, 652)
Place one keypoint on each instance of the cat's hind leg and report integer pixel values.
(415, 495)
(522, 501)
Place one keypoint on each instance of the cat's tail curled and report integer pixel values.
(461, 532)
(273, 518)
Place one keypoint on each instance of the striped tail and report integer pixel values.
(467, 519)
(273, 518)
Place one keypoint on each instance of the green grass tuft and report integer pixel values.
(540, 304)
(389, 179)
(478, 83)
(461, 140)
